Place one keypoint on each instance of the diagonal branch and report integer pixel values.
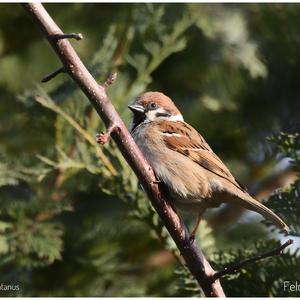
(234, 268)
(193, 256)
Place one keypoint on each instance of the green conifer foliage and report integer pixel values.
(73, 218)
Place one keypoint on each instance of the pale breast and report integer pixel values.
(187, 185)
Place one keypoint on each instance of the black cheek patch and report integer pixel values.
(186, 152)
(162, 114)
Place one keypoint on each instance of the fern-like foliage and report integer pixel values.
(288, 146)
(265, 278)
(272, 276)
(287, 204)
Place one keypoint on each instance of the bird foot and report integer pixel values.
(156, 181)
(192, 238)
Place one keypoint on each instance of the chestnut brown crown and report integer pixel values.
(160, 99)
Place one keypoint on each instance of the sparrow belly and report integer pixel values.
(188, 188)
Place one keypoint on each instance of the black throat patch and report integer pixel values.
(137, 120)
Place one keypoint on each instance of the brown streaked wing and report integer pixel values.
(192, 144)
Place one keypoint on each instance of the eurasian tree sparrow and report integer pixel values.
(192, 175)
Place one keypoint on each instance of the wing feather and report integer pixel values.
(183, 138)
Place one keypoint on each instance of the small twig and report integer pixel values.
(53, 74)
(103, 138)
(110, 79)
(232, 269)
(75, 36)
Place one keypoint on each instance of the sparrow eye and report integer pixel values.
(152, 105)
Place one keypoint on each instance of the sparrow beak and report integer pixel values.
(136, 108)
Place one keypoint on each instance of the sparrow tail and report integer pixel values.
(254, 205)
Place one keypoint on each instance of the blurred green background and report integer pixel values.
(73, 221)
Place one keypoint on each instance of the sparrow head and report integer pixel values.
(154, 106)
